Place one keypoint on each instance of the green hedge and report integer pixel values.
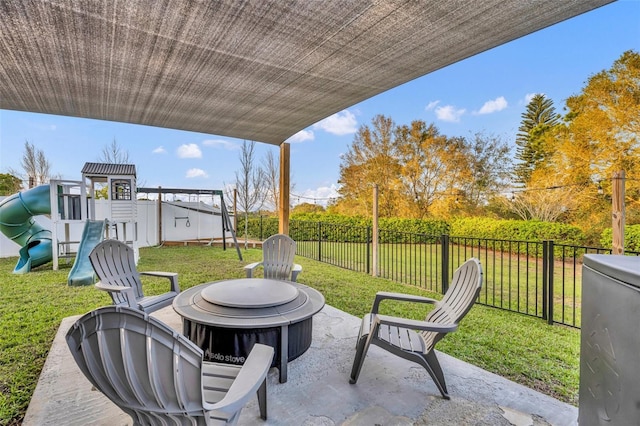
(518, 230)
(339, 228)
(348, 228)
(265, 224)
(631, 238)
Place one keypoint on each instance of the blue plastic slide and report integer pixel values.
(82, 272)
(17, 223)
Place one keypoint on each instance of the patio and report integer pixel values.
(390, 391)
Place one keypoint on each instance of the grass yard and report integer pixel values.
(512, 281)
(519, 347)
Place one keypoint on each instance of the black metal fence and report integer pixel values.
(537, 278)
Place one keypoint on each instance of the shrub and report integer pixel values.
(519, 230)
(631, 238)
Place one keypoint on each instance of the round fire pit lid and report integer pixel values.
(250, 293)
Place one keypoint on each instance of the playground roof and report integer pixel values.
(104, 169)
(258, 70)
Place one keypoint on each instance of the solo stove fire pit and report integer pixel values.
(226, 318)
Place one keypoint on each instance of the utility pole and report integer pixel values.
(617, 212)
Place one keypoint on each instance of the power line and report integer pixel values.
(598, 183)
(314, 198)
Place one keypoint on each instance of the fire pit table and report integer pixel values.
(226, 318)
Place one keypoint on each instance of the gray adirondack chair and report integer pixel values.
(158, 376)
(277, 259)
(415, 340)
(114, 264)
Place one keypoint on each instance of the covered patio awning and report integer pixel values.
(257, 70)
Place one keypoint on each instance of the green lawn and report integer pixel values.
(516, 346)
(512, 281)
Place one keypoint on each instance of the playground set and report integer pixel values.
(73, 230)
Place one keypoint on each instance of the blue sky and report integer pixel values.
(485, 93)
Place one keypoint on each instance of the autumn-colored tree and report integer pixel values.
(546, 198)
(370, 160)
(420, 172)
(602, 136)
(421, 152)
(599, 136)
(307, 208)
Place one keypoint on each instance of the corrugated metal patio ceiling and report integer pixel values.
(258, 70)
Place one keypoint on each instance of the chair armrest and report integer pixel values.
(295, 271)
(171, 276)
(384, 295)
(250, 268)
(126, 291)
(415, 324)
(251, 376)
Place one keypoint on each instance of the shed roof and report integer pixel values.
(107, 169)
(258, 70)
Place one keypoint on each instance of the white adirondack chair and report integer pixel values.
(157, 376)
(415, 340)
(277, 259)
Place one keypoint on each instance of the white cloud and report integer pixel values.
(342, 123)
(431, 105)
(220, 143)
(190, 150)
(195, 173)
(495, 105)
(449, 113)
(321, 195)
(301, 136)
(528, 97)
(159, 150)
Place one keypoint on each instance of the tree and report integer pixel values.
(538, 118)
(307, 208)
(602, 136)
(543, 200)
(370, 160)
(421, 152)
(9, 184)
(489, 163)
(35, 164)
(113, 153)
(271, 168)
(249, 185)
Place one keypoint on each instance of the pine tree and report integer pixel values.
(537, 120)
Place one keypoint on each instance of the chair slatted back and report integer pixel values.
(149, 370)
(278, 252)
(457, 301)
(114, 264)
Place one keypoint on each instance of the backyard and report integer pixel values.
(519, 347)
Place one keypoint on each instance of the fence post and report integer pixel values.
(550, 263)
(545, 279)
(444, 245)
(261, 238)
(368, 249)
(319, 241)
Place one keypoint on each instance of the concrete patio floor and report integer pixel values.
(390, 391)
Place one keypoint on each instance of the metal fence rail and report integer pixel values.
(537, 278)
